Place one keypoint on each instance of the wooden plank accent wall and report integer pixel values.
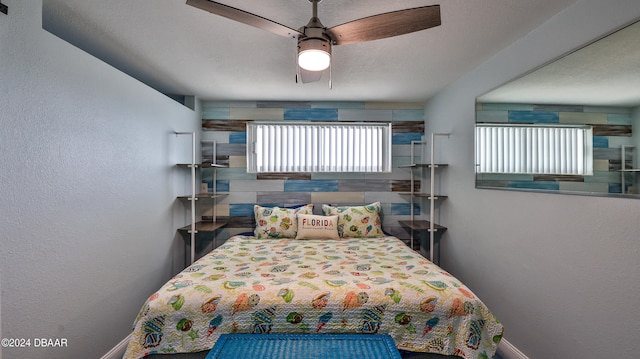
(407, 126)
(284, 176)
(225, 123)
(558, 178)
(612, 130)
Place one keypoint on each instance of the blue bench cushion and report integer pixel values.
(307, 346)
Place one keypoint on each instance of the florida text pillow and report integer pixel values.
(317, 227)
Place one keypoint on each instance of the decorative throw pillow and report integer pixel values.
(357, 221)
(276, 222)
(317, 227)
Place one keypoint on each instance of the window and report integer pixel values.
(318, 147)
(534, 149)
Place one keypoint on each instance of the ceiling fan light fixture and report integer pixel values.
(314, 54)
(315, 40)
(314, 60)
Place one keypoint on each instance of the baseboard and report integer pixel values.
(118, 351)
(507, 350)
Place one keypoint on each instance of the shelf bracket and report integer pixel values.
(4, 9)
(432, 220)
(412, 184)
(431, 197)
(193, 193)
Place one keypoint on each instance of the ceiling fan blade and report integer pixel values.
(386, 25)
(306, 76)
(244, 17)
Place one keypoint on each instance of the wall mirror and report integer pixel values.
(596, 87)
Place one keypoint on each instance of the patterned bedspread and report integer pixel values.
(363, 285)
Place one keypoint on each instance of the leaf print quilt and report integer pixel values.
(355, 285)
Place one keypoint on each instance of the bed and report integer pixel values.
(269, 284)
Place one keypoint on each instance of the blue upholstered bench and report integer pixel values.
(304, 346)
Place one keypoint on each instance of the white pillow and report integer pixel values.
(317, 227)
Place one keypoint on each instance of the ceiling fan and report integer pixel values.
(315, 40)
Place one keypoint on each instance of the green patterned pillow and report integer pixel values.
(358, 222)
(276, 222)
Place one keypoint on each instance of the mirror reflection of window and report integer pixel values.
(534, 149)
(611, 128)
(596, 85)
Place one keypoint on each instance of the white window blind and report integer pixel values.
(534, 149)
(318, 147)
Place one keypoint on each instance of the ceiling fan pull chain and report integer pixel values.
(330, 82)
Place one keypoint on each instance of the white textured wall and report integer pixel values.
(561, 272)
(86, 181)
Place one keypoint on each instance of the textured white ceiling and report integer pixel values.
(604, 73)
(179, 49)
